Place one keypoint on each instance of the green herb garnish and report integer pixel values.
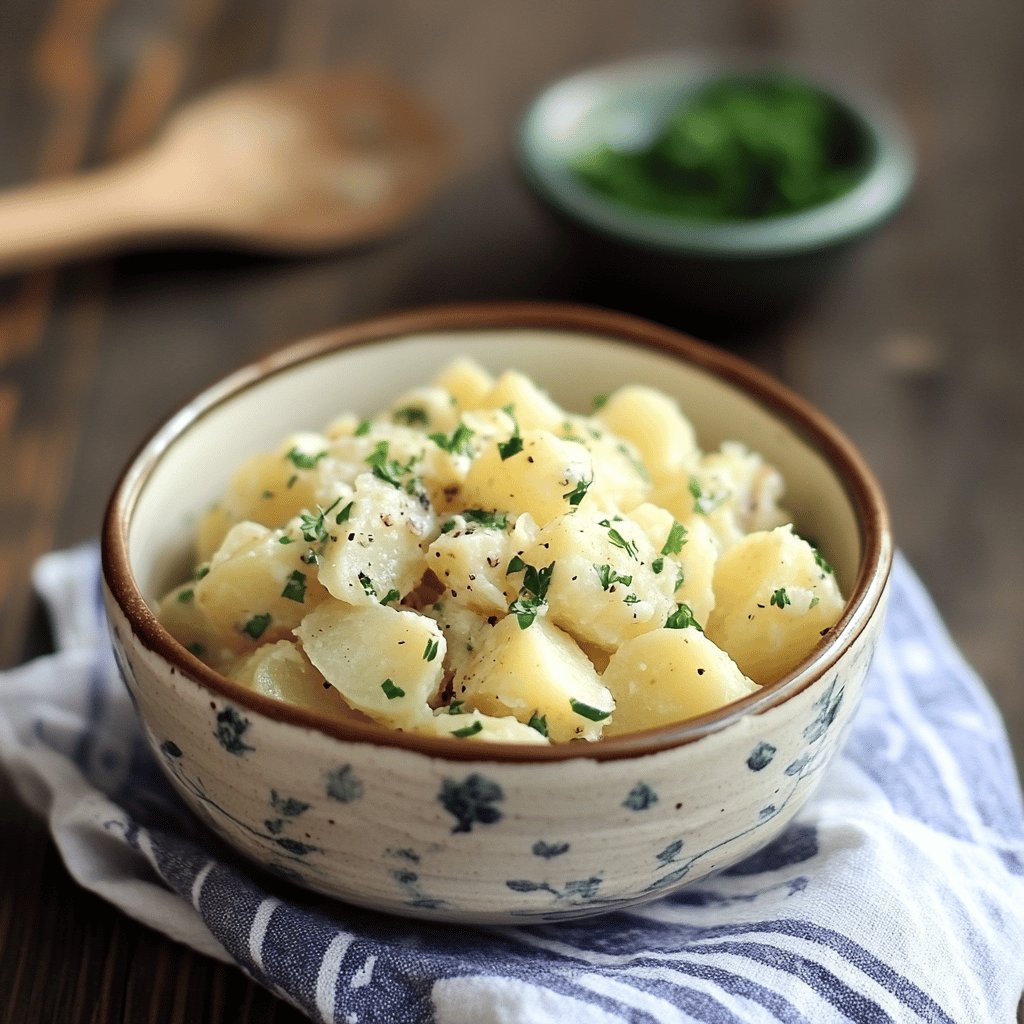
(295, 588)
(390, 690)
(514, 445)
(743, 147)
(411, 416)
(682, 618)
(457, 444)
(780, 598)
(607, 575)
(621, 542)
(184, 596)
(455, 708)
(257, 625)
(430, 651)
(586, 711)
(675, 540)
(303, 460)
(469, 730)
(488, 520)
(387, 469)
(538, 722)
(819, 560)
(577, 494)
(532, 593)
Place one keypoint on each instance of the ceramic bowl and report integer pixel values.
(742, 271)
(441, 828)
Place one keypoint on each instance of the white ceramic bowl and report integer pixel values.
(435, 827)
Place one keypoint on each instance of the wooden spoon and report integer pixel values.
(288, 165)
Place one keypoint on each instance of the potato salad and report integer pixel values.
(477, 562)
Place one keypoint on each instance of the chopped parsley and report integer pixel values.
(621, 542)
(532, 593)
(704, 503)
(304, 460)
(455, 708)
(430, 651)
(658, 566)
(201, 571)
(538, 722)
(577, 494)
(599, 401)
(478, 517)
(514, 445)
(285, 539)
(196, 648)
(630, 599)
(367, 584)
(391, 595)
(586, 711)
(343, 515)
(390, 690)
(608, 576)
(184, 596)
(295, 588)
(387, 469)
(814, 601)
(780, 598)
(411, 416)
(675, 540)
(313, 526)
(821, 563)
(469, 730)
(682, 618)
(257, 625)
(489, 520)
(362, 428)
(457, 444)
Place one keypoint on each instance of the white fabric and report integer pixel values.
(897, 895)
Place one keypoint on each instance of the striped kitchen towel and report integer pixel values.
(897, 895)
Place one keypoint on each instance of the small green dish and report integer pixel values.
(740, 270)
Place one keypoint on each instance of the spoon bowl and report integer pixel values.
(293, 165)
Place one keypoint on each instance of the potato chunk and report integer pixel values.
(603, 587)
(268, 489)
(531, 406)
(257, 589)
(378, 548)
(466, 381)
(480, 727)
(654, 423)
(539, 479)
(669, 675)
(538, 671)
(469, 559)
(775, 600)
(282, 671)
(384, 661)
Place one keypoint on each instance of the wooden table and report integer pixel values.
(915, 349)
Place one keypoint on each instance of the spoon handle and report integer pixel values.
(95, 212)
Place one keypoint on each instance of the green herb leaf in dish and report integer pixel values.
(741, 148)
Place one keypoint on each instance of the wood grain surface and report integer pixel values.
(915, 349)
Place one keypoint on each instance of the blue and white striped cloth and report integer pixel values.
(898, 895)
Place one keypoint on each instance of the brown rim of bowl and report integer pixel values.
(858, 481)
